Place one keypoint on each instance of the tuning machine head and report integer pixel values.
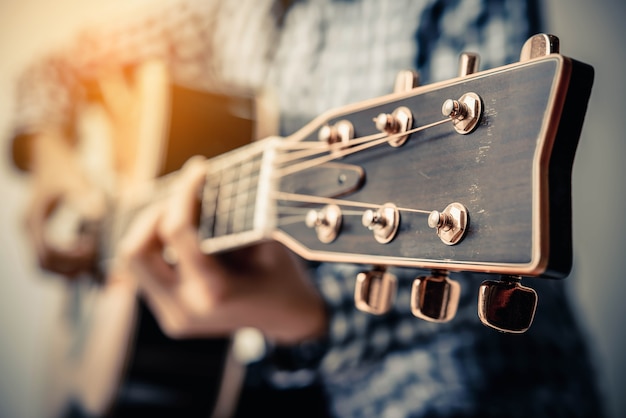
(383, 222)
(540, 45)
(506, 305)
(435, 298)
(395, 124)
(451, 224)
(464, 112)
(468, 63)
(375, 291)
(326, 221)
(337, 136)
(406, 80)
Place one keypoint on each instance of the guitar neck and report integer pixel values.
(236, 208)
(240, 201)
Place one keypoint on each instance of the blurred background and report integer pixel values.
(592, 32)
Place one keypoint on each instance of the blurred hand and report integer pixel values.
(263, 286)
(57, 179)
(60, 185)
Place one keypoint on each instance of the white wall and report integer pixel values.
(590, 31)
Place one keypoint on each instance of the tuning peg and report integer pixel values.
(394, 123)
(383, 222)
(506, 305)
(451, 224)
(539, 45)
(468, 63)
(435, 298)
(464, 112)
(327, 222)
(406, 80)
(375, 291)
(340, 133)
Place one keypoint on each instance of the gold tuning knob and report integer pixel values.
(435, 298)
(406, 80)
(506, 305)
(468, 63)
(375, 291)
(539, 45)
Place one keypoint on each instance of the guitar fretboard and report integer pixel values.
(230, 200)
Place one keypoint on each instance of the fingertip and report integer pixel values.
(194, 160)
(183, 205)
(142, 234)
(195, 166)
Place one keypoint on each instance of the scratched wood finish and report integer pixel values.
(492, 171)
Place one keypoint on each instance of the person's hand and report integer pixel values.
(57, 179)
(263, 286)
(63, 199)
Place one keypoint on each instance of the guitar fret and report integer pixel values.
(230, 213)
(241, 200)
(251, 198)
(209, 204)
(234, 190)
(223, 223)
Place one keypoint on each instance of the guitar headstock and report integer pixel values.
(471, 174)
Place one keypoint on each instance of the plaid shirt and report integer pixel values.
(321, 54)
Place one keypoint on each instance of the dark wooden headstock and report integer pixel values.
(505, 172)
(470, 174)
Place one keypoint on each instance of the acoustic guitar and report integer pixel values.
(471, 174)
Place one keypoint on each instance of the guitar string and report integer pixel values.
(324, 147)
(293, 219)
(364, 142)
(303, 198)
(229, 213)
(294, 168)
(301, 144)
(372, 139)
(321, 160)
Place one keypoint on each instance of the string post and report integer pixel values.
(465, 112)
(339, 133)
(398, 122)
(327, 222)
(386, 122)
(383, 222)
(454, 109)
(450, 224)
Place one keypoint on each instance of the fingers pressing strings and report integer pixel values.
(141, 249)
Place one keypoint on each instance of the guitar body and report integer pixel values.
(111, 356)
